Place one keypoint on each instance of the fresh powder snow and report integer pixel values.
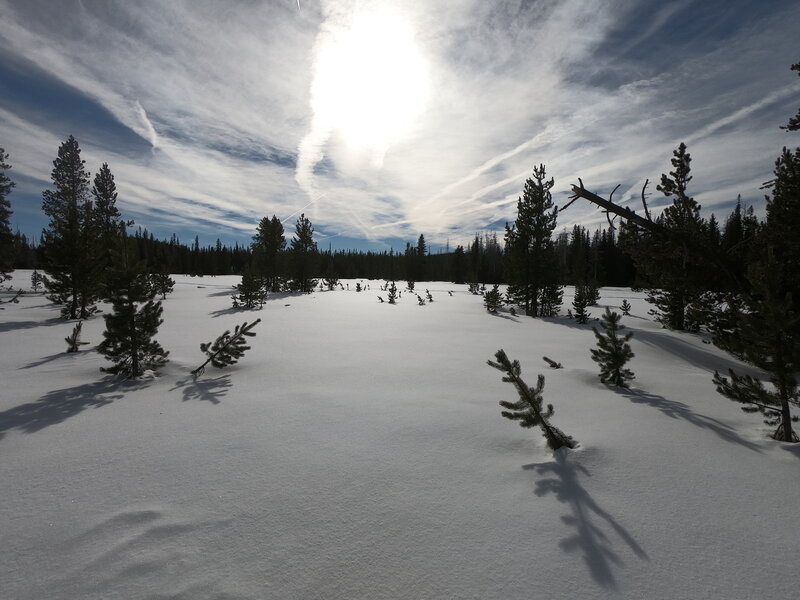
(357, 451)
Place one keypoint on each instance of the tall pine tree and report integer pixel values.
(767, 331)
(67, 240)
(532, 271)
(304, 256)
(267, 247)
(675, 275)
(6, 237)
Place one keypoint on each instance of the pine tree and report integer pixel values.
(392, 290)
(626, 308)
(130, 328)
(163, 284)
(767, 337)
(227, 349)
(493, 299)
(583, 296)
(252, 291)
(6, 237)
(766, 332)
(105, 224)
(675, 275)
(267, 247)
(303, 256)
(66, 243)
(528, 410)
(613, 351)
(794, 122)
(532, 273)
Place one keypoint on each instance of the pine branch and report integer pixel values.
(528, 409)
(227, 348)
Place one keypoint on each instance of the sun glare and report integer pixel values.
(370, 81)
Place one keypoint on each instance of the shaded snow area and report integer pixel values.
(357, 451)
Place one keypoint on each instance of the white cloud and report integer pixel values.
(245, 119)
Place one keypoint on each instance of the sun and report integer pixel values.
(371, 79)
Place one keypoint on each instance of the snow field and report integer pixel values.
(357, 451)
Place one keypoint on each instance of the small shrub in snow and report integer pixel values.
(420, 300)
(392, 290)
(428, 295)
(528, 410)
(626, 308)
(228, 348)
(613, 351)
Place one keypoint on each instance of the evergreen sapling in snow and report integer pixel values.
(392, 290)
(74, 339)
(583, 298)
(135, 318)
(613, 351)
(626, 308)
(493, 299)
(528, 410)
(227, 349)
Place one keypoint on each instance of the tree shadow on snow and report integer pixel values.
(586, 517)
(203, 388)
(679, 410)
(12, 326)
(59, 405)
(508, 317)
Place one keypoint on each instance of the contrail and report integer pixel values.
(320, 197)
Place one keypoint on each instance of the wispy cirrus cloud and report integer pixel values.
(389, 118)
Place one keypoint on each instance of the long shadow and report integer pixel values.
(586, 517)
(59, 405)
(46, 359)
(679, 410)
(693, 355)
(204, 389)
(13, 326)
(507, 317)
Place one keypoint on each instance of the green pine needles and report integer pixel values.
(613, 351)
(228, 348)
(528, 409)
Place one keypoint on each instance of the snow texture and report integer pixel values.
(357, 451)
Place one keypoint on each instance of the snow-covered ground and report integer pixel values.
(357, 451)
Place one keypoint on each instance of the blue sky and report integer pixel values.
(384, 119)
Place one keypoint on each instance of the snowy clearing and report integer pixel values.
(357, 451)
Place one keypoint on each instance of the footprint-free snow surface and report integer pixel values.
(357, 451)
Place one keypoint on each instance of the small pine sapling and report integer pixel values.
(626, 308)
(410, 286)
(358, 287)
(493, 299)
(428, 295)
(37, 281)
(381, 299)
(613, 351)
(420, 300)
(528, 410)
(228, 348)
(581, 301)
(392, 290)
(252, 291)
(73, 340)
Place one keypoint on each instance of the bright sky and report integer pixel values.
(384, 119)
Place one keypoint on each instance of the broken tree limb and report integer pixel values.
(692, 244)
